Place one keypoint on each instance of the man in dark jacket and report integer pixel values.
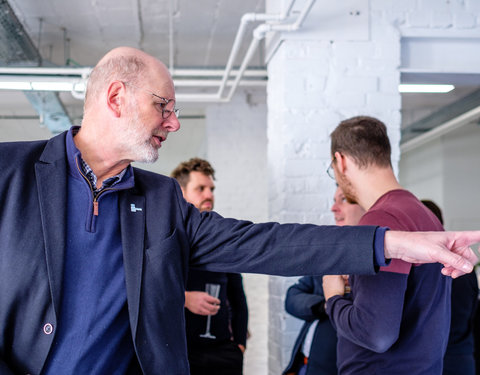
(315, 350)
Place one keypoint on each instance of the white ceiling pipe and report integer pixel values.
(85, 72)
(306, 9)
(216, 83)
(259, 33)
(199, 98)
(40, 78)
(218, 72)
(245, 20)
(81, 72)
(251, 50)
(447, 127)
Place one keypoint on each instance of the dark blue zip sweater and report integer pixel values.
(93, 335)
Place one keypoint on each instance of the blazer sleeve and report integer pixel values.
(304, 299)
(228, 245)
(239, 309)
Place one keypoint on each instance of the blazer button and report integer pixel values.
(47, 329)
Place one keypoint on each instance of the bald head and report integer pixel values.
(129, 111)
(123, 64)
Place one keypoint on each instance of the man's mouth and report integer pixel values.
(208, 204)
(159, 139)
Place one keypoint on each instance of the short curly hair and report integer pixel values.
(182, 172)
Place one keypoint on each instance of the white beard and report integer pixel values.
(135, 141)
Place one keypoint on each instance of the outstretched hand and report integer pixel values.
(201, 303)
(452, 249)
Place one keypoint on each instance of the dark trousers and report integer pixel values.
(222, 358)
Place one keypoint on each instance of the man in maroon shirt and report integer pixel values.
(397, 321)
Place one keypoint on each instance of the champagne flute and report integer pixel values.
(214, 291)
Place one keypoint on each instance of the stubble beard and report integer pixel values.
(206, 209)
(137, 142)
(348, 189)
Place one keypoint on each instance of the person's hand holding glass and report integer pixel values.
(214, 291)
(201, 303)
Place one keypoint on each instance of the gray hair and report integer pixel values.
(123, 68)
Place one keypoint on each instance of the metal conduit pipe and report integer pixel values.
(216, 83)
(85, 72)
(259, 33)
(81, 72)
(245, 20)
(445, 128)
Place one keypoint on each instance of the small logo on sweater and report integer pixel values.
(134, 209)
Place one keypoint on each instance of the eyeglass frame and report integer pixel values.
(166, 101)
(330, 170)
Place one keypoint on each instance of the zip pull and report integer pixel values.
(95, 208)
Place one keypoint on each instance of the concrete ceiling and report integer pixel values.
(182, 33)
(202, 31)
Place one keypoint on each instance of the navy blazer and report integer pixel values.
(299, 302)
(159, 244)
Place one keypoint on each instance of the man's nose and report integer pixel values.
(171, 123)
(208, 193)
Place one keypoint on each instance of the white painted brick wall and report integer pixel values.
(356, 77)
(453, 15)
(464, 20)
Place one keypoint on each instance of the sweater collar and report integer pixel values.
(124, 180)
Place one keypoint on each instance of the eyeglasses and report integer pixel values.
(330, 171)
(166, 106)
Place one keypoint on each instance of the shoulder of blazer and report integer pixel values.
(15, 154)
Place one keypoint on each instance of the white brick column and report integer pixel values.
(236, 147)
(318, 77)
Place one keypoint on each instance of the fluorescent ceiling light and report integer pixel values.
(424, 88)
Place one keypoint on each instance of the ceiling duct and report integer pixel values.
(50, 110)
(447, 119)
(441, 116)
(17, 49)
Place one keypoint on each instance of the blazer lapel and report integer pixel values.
(51, 177)
(132, 223)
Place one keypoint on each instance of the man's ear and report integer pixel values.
(116, 97)
(340, 161)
